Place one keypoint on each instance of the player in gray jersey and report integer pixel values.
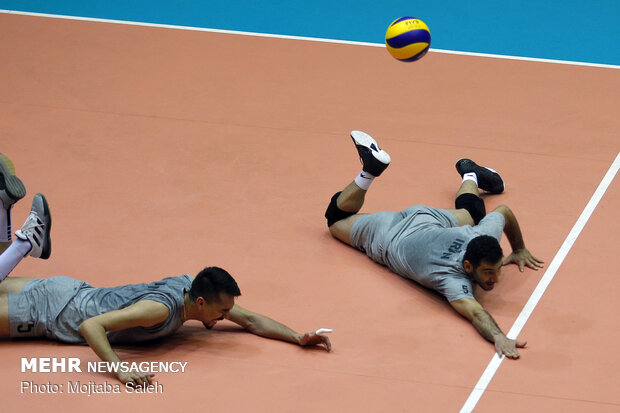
(448, 250)
(73, 311)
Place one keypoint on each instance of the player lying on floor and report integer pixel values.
(73, 311)
(448, 250)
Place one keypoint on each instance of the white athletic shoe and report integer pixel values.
(37, 228)
(374, 159)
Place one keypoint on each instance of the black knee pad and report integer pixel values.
(473, 204)
(335, 214)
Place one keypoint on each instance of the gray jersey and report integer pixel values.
(56, 306)
(424, 244)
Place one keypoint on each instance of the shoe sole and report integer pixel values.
(363, 139)
(13, 187)
(47, 216)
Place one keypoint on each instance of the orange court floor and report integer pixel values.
(163, 151)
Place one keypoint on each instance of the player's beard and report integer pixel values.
(474, 276)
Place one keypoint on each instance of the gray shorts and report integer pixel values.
(374, 233)
(33, 312)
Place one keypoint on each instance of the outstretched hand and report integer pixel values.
(523, 258)
(314, 339)
(505, 346)
(135, 377)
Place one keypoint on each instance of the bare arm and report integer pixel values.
(144, 313)
(487, 327)
(511, 228)
(266, 327)
(520, 255)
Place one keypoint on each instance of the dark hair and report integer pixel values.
(483, 248)
(212, 281)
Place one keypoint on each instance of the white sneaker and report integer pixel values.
(37, 228)
(374, 159)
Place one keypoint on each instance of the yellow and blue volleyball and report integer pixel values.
(408, 39)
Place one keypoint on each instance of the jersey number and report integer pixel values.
(23, 328)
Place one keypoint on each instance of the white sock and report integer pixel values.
(12, 256)
(5, 223)
(471, 176)
(363, 180)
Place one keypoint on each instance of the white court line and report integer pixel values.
(312, 39)
(488, 374)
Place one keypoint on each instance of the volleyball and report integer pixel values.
(408, 39)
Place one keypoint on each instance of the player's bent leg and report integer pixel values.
(10, 258)
(14, 284)
(342, 211)
(469, 208)
(350, 199)
(341, 230)
(462, 216)
(473, 204)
